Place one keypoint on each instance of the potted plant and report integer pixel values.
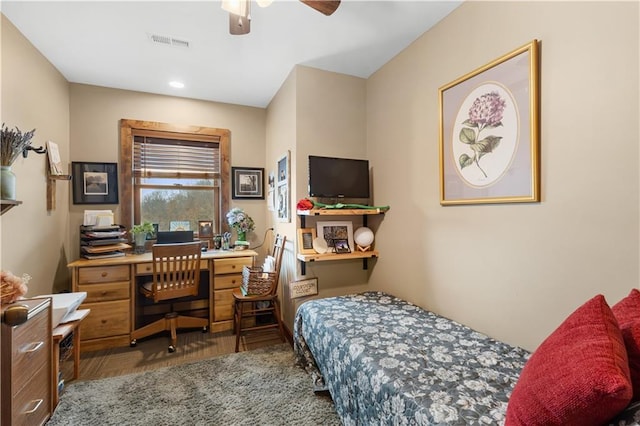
(139, 233)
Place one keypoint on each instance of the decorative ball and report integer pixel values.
(363, 236)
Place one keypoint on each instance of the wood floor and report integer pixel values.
(151, 353)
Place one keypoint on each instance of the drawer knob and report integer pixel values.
(37, 403)
(104, 321)
(104, 293)
(233, 281)
(34, 348)
(233, 266)
(104, 274)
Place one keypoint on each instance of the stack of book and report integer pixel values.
(100, 242)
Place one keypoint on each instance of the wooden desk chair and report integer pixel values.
(176, 274)
(246, 306)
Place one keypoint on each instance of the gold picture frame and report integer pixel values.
(305, 240)
(490, 132)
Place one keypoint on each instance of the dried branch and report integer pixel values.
(13, 143)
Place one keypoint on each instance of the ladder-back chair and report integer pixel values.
(176, 274)
(247, 306)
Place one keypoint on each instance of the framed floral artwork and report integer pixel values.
(489, 132)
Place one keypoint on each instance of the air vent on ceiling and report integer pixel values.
(169, 40)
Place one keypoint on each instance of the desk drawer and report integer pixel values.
(147, 268)
(103, 274)
(106, 319)
(223, 305)
(221, 282)
(103, 292)
(231, 266)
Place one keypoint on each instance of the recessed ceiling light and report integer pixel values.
(176, 84)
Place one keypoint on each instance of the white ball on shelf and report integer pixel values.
(363, 237)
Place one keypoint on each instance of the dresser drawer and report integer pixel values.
(103, 274)
(103, 292)
(32, 404)
(147, 268)
(106, 319)
(31, 347)
(231, 266)
(227, 281)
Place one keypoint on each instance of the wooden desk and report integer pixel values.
(59, 333)
(111, 287)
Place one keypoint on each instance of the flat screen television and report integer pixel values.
(331, 177)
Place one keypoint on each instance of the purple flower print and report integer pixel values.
(486, 112)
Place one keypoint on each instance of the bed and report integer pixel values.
(387, 361)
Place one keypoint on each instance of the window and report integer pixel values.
(174, 176)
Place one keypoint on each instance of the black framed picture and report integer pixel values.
(95, 183)
(247, 183)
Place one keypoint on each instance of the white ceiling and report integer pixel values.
(108, 43)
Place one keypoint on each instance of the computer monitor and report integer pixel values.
(172, 237)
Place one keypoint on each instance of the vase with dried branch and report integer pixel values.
(12, 144)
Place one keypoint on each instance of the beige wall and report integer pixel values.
(95, 115)
(35, 95)
(514, 271)
(321, 113)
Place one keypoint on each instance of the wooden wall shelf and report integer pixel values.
(51, 189)
(317, 257)
(6, 205)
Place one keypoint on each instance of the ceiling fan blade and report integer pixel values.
(239, 25)
(323, 6)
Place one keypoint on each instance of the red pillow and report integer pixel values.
(627, 312)
(628, 309)
(579, 375)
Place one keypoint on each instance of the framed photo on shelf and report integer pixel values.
(332, 231)
(94, 183)
(247, 183)
(305, 240)
(341, 246)
(490, 132)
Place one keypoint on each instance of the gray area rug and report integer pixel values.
(259, 387)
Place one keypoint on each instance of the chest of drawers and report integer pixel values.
(26, 367)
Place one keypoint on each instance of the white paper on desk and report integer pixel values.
(73, 316)
(97, 217)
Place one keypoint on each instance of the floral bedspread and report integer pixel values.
(387, 361)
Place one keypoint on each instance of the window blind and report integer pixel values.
(154, 157)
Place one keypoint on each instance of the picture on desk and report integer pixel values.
(205, 229)
(179, 225)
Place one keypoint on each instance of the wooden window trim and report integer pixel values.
(129, 128)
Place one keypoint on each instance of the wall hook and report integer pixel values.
(38, 150)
